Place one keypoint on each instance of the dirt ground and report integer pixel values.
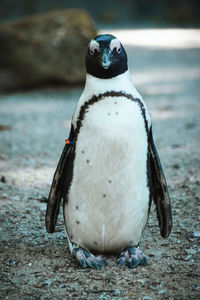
(33, 127)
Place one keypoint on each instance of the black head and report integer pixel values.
(106, 57)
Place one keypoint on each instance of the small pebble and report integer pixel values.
(162, 291)
(196, 233)
(3, 179)
(116, 292)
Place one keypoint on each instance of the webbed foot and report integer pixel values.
(87, 259)
(132, 257)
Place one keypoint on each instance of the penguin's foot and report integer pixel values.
(132, 257)
(87, 259)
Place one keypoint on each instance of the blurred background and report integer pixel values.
(118, 12)
(41, 40)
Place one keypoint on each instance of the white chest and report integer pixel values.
(108, 197)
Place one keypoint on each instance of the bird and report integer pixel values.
(109, 171)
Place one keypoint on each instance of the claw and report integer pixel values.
(87, 259)
(132, 257)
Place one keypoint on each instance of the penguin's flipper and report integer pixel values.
(159, 190)
(60, 184)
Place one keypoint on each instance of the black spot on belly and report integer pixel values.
(115, 102)
(109, 114)
(71, 236)
(95, 243)
(109, 181)
(104, 195)
(116, 113)
(77, 207)
(87, 161)
(82, 151)
(77, 222)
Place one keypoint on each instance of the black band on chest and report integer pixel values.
(94, 99)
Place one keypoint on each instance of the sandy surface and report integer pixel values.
(33, 126)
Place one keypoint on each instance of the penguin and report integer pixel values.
(109, 171)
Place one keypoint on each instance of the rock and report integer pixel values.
(196, 233)
(5, 127)
(3, 179)
(147, 298)
(108, 16)
(44, 48)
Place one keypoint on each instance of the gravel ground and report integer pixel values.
(33, 126)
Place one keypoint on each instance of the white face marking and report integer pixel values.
(115, 43)
(93, 45)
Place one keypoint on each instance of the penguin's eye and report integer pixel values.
(115, 46)
(117, 50)
(93, 48)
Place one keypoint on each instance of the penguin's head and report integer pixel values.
(106, 57)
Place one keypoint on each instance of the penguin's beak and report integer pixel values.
(106, 62)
